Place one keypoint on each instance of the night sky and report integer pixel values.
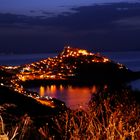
(41, 26)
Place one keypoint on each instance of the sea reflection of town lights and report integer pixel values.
(53, 89)
(73, 96)
(42, 91)
(61, 87)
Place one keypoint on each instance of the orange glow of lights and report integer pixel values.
(23, 78)
(61, 87)
(84, 52)
(42, 91)
(47, 103)
(105, 60)
(53, 89)
(80, 94)
(41, 76)
(94, 89)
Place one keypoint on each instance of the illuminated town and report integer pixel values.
(69, 70)
(61, 67)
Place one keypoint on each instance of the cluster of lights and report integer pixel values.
(60, 67)
(14, 84)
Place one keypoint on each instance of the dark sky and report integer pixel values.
(31, 26)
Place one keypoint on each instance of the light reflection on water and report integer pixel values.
(73, 96)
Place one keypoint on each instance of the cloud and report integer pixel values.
(131, 22)
(100, 27)
(24, 7)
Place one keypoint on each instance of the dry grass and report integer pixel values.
(108, 117)
(89, 124)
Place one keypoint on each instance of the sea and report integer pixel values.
(74, 96)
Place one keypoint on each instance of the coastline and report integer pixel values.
(117, 101)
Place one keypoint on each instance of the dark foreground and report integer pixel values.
(112, 112)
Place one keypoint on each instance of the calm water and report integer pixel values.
(74, 96)
(22, 59)
(129, 59)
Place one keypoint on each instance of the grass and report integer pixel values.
(109, 116)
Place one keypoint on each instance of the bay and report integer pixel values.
(74, 96)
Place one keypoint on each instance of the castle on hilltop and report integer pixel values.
(69, 51)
